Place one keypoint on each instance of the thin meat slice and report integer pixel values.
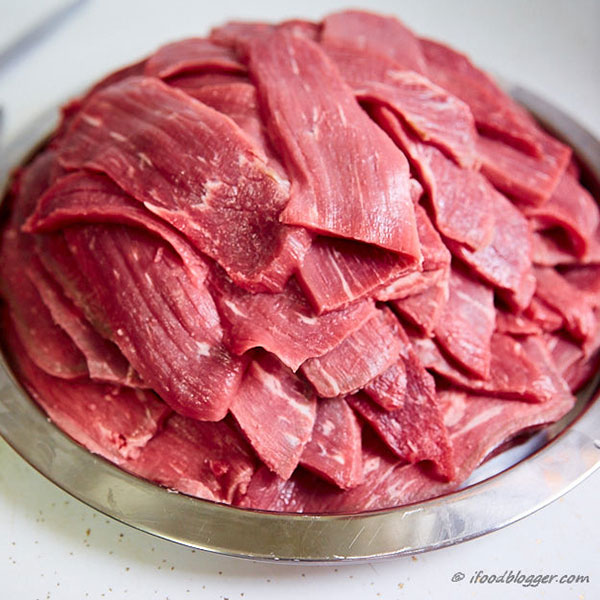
(358, 359)
(206, 460)
(191, 55)
(152, 139)
(544, 316)
(316, 124)
(530, 179)
(375, 34)
(495, 112)
(551, 249)
(587, 280)
(505, 262)
(283, 323)
(513, 323)
(556, 292)
(192, 83)
(334, 451)
(465, 328)
(104, 360)
(462, 200)
(112, 421)
(571, 209)
(93, 198)
(520, 369)
(276, 411)
(336, 272)
(389, 389)
(165, 323)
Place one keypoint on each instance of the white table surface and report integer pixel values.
(52, 546)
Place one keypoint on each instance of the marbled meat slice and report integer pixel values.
(358, 359)
(572, 210)
(348, 178)
(283, 323)
(336, 272)
(375, 34)
(191, 55)
(520, 369)
(218, 191)
(113, 421)
(462, 200)
(83, 197)
(165, 323)
(276, 411)
(529, 179)
(334, 451)
(206, 460)
(495, 112)
(467, 322)
(505, 263)
(566, 299)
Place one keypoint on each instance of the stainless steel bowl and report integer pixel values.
(502, 491)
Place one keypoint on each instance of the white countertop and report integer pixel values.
(52, 546)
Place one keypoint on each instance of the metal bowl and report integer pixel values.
(505, 489)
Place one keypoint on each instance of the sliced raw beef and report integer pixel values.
(91, 197)
(358, 359)
(234, 34)
(109, 420)
(550, 249)
(462, 200)
(191, 55)
(555, 291)
(206, 460)
(544, 316)
(104, 360)
(375, 34)
(227, 199)
(390, 388)
(466, 325)
(284, 323)
(572, 210)
(315, 123)
(515, 323)
(192, 83)
(520, 369)
(47, 344)
(505, 262)
(334, 451)
(495, 112)
(337, 272)
(415, 431)
(173, 338)
(425, 308)
(587, 280)
(276, 411)
(526, 178)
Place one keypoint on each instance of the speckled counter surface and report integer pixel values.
(52, 546)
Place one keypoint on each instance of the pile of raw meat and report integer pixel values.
(312, 267)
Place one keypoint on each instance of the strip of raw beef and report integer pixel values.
(110, 420)
(206, 460)
(466, 325)
(334, 451)
(358, 359)
(48, 344)
(425, 308)
(544, 316)
(569, 358)
(284, 323)
(505, 262)
(495, 112)
(529, 179)
(218, 192)
(587, 280)
(571, 209)
(520, 369)
(316, 124)
(173, 337)
(192, 83)
(375, 34)
(390, 388)
(191, 55)
(415, 431)
(104, 360)
(337, 272)
(515, 323)
(550, 249)
(234, 34)
(462, 200)
(276, 411)
(83, 197)
(555, 291)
